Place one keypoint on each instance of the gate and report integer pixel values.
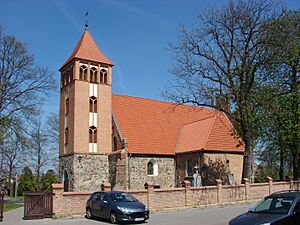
(1, 206)
(38, 205)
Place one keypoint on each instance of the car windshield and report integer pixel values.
(122, 197)
(273, 204)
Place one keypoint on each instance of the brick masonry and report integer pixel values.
(73, 203)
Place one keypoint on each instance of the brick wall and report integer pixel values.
(73, 203)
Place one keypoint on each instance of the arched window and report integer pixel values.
(152, 168)
(66, 136)
(83, 73)
(67, 106)
(93, 75)
(66, 181)
(93, 104)
(103, 76)
(93, 134)
(71, 74)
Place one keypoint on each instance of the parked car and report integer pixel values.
(280, 208)
(116, 206)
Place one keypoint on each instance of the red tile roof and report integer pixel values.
(157, 127)
(87, 49)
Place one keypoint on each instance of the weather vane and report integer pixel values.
(86, 20)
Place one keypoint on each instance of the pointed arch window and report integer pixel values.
(93, 104)
(93, 134)
(93, 75)
(66, 135)
(67, 106)
(83, 73)
(66, 181)
(152, 168)
(71, 74)
(103, 77)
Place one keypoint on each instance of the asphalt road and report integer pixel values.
(216, 215)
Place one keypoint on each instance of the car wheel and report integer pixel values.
(88, 213)
(113, 218)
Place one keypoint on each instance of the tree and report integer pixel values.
(12, 154)
(48, 179)
(43, 147)
(281, 101)
(220, 61)
(23, 84)
(27, 181)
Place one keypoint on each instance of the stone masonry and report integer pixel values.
(86, 172)
(138, 171)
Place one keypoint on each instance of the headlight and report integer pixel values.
(123, 209)
(265, 224)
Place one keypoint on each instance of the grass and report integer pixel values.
(19, 198)
(11, 206)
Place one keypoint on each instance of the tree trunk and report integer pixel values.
(248, 161)
(296, 166)
(281, 164)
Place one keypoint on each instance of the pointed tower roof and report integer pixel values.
(87, 49)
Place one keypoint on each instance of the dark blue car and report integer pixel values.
(280, 208)
(116, 206)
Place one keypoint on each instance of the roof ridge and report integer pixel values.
(209, 132)
(205, 118)
(165, 102)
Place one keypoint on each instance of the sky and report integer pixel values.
(133, 34)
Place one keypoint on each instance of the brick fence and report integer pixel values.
(73, 203)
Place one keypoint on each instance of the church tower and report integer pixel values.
(85, 117)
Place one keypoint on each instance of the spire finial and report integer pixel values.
(86, 20)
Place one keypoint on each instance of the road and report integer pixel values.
(211, 215)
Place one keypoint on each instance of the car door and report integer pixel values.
(105, 206)
(96, 204)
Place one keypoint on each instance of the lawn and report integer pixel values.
(11, 206)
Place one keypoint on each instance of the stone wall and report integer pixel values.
(86, 171)
(138, 171)
(73, 203)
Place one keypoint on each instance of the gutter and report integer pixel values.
(128, 160)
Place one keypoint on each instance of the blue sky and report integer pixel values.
(133, 34)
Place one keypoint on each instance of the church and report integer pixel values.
(127, 141)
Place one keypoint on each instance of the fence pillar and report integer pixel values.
(187, 185)
(150, 190)
(106, 187)
(270, 180)
(219, 191)
(247, 187)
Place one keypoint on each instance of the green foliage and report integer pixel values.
(278, 116)
(48, 179)
(27, 181)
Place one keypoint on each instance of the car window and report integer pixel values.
(122, 197)
(105, 198)
(280, 205)
(264, 205)
(97, 196)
